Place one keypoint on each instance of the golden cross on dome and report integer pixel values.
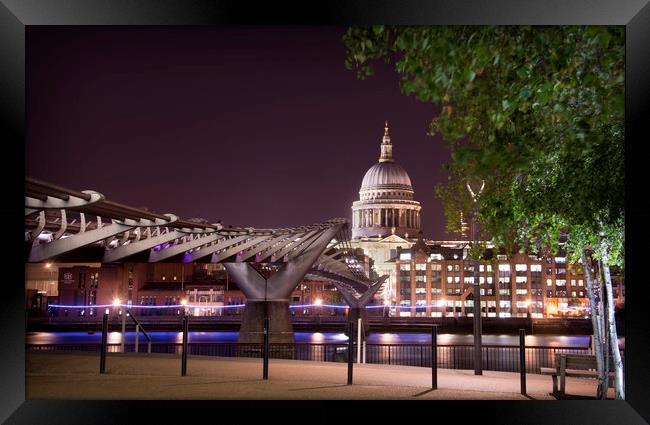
(386, 128)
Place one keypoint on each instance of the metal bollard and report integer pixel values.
(123, 313)
(522, 359)
(434, 357)
(102, 354)
(350, 348)
(359, 327)
(184, 353)
(137, 336)
(265, 367)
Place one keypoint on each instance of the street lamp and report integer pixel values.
(117, 303)
(478, 358)
(318, 303)
(530, 316)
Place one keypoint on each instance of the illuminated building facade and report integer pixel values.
(437, 281)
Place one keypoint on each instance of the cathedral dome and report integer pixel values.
(386, 205)
(386, 175)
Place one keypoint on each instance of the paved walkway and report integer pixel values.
(157, 376)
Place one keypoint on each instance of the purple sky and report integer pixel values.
(257, 126)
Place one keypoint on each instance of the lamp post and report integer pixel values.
(117, 303)
(318, 303)
(530, 316)
(478, 358)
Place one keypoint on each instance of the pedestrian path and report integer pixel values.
(157, 376)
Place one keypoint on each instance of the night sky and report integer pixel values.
(256, 126)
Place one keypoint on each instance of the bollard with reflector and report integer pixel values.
(522, 359)
(265, 369)
(434, 357)
(350, 352)
(102, 354)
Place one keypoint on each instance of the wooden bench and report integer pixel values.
(574, 365)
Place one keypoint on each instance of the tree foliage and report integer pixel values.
(535, 112)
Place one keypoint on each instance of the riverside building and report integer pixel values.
(438, 281)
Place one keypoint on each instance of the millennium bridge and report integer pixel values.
(66, 225)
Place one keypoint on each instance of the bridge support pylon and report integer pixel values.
(269, 297)
(356, 313)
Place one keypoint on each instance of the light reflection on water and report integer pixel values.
(314, 337)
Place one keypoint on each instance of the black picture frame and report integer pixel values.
(16, 15)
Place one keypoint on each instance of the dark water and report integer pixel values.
(573, 341)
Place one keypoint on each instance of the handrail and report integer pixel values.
(138, 328)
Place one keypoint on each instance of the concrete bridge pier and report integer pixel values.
(252, 323)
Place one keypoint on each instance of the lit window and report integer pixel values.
(481, 279)
(521, 267)
(449, 279)
(449, 267)
(489, 279)
(560, 282)
(420, 266)
(573, 282)
(522, 292)
(535, 267)
(457, 267)
(489, 267)
(481, 268)
(549, 282)
(521, 279)
(580, 283)
(457, 279)
(504, 267)
(405, 267)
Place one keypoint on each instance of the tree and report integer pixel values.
(535, 112)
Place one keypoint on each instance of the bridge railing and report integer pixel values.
(503, 358)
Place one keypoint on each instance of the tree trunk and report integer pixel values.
(601, 392)
(606, 350)
(613, 335)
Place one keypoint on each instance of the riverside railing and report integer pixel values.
(504, 358)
